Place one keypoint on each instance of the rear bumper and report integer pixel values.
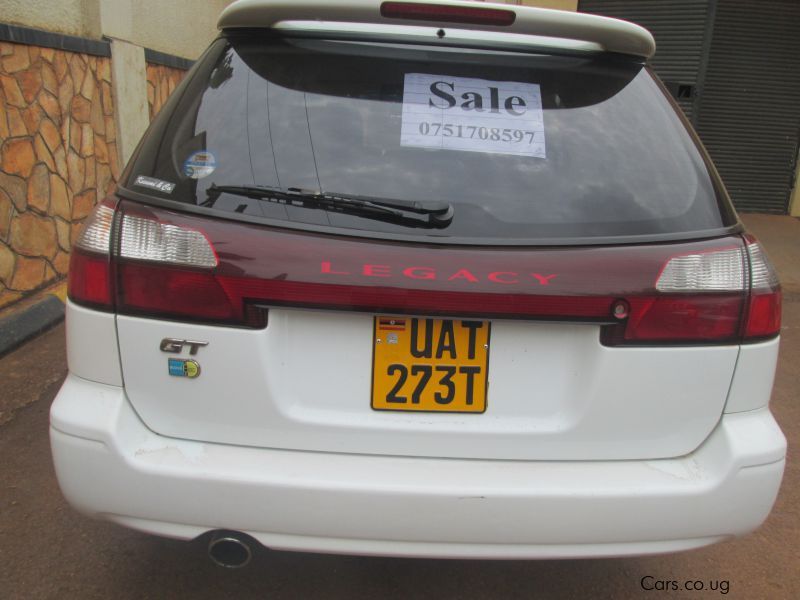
(109, 465)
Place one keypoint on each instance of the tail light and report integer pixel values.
(149, 261)
(715, 296)
(89, 281)
(444, 13)
(764, 311)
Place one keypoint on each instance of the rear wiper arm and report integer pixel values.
(437, 214)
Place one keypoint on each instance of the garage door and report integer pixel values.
(734, 66)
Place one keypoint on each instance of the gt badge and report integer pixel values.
(175, 346)
(179, 367)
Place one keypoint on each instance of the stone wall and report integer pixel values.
(58, 156)
(161, 82)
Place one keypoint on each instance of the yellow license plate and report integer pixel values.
(433, 365)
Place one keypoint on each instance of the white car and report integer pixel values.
(432, 279)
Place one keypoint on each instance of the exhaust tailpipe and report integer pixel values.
(230, 550)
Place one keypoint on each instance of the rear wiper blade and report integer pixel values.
(405, 212)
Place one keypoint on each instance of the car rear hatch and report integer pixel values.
(298, 260)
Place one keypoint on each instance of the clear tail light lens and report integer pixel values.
(96, 233)
(149, 240)
(717, 271)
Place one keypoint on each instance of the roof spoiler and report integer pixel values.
(610, 35)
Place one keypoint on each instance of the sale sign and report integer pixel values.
(474, 115)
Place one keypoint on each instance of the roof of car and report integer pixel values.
(588, 31)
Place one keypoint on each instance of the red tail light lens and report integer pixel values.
(443, 13)
(171, 291)
(764, 316)
(89, 278)
(681, 318)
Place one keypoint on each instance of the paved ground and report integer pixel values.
(48, 551)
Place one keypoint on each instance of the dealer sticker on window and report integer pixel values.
(154, 184)
(475, 115)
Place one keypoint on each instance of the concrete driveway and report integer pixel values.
(49, 551)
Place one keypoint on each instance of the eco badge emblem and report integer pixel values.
(179, 367)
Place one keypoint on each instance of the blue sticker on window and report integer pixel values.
(200, 164)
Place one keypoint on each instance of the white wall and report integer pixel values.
(74, 17)
(180, 27)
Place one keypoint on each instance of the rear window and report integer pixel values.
(525, 147)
